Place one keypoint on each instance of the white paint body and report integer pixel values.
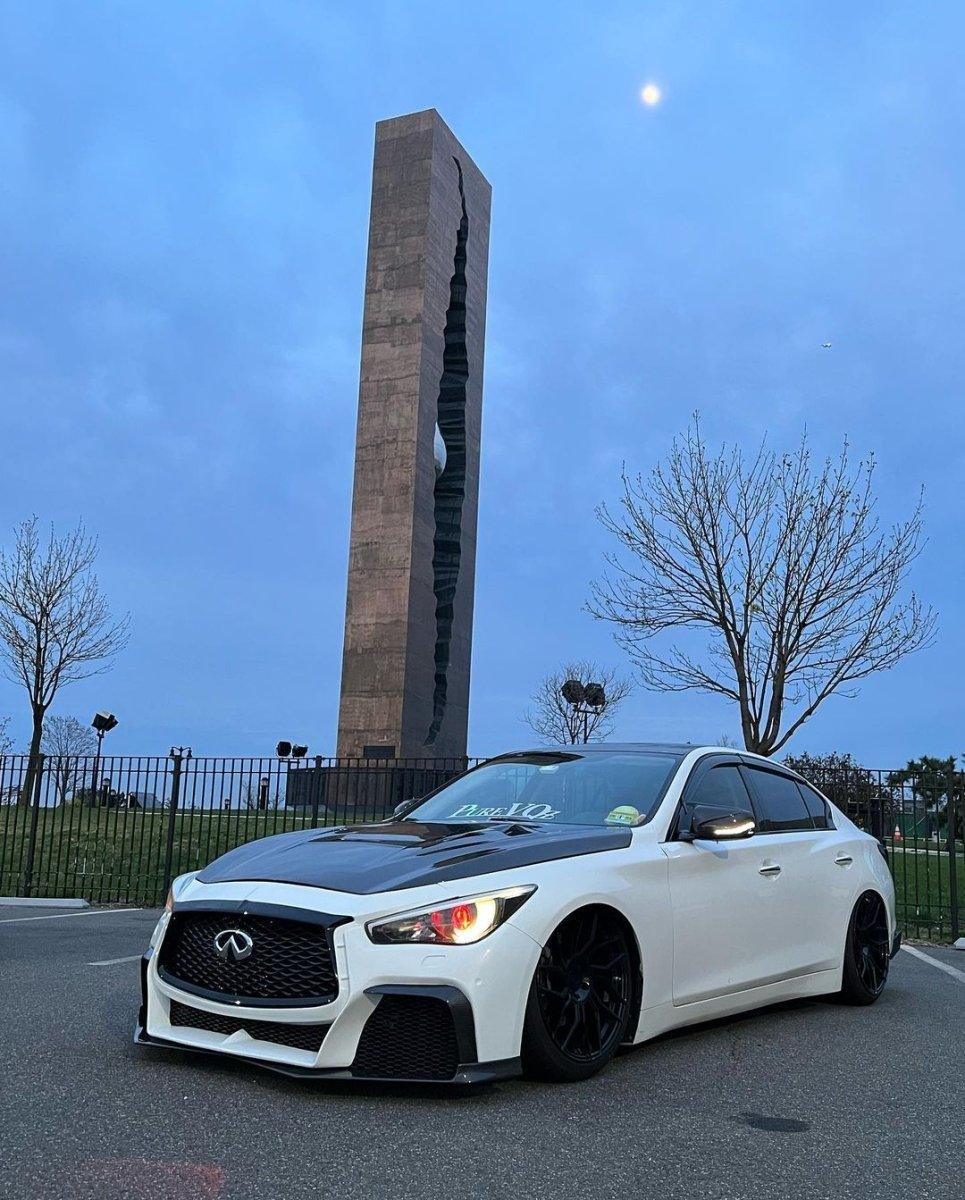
(715, 936)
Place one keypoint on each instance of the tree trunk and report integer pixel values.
(33, 761)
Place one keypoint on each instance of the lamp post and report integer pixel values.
(288, 752)
(102, 723)
(586, 700)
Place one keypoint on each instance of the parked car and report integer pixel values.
(530, 917)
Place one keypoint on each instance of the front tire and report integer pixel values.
(867, 952)
(580, 999)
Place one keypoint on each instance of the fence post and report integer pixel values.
(28, 870)
(176, 758)
(952, 855)
(316, 788)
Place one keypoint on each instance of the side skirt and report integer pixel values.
(664, 1017)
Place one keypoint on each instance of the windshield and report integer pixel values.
(556, 788)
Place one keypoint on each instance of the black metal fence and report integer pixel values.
(117, 830)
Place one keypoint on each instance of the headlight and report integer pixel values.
(456, 923)
(177, 886)
(174, 890)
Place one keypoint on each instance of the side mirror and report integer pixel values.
(406, 806)
(718, 825)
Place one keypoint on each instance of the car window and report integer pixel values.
(721, 787)
(781, 803)
(565, 788)
(817, 806)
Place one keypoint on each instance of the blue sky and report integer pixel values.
(183, 210)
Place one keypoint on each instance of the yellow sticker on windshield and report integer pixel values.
(626, 814)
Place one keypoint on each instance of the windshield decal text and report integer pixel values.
(525, 812)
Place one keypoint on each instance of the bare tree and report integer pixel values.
(6, 742)
(68, 743)
(55, 624)
(782, 564)
(558, 722)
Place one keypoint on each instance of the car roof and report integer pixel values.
(680, 749)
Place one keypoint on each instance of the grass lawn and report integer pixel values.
(109, 855)
(922, 891)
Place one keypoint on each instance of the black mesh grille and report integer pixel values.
(302, 1037)
(408, 1037)
(289, 961)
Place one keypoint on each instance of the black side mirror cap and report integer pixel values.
(717, 825)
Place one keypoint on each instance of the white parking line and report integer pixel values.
(88, 912)
(111, 962)
(933, 962)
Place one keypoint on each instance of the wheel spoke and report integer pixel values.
(561, 1015)
(612, 961)
(572, 1029)
(610, 971)
(604, 1007)
(586, 940)
(593, 1019)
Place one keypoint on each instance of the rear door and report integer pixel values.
(798, 861)
(722, 932)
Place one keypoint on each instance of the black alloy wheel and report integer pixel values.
(580, 1000)
(867, 954)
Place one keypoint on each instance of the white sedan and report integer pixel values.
(530, 917)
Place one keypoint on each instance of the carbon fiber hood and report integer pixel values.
(364, 859)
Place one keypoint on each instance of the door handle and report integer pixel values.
(844, 860)
(770, 869)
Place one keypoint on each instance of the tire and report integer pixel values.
(867, 952)
(579, 1002)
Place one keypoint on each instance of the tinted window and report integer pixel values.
(781, 803)
(817, 806)
(723, 788)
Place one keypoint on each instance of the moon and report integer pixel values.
(651, 95)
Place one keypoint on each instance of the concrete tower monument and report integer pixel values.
(408, 621)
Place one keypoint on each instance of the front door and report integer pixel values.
(722, 905)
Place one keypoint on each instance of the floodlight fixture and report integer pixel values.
(572, 691)
(283, 749)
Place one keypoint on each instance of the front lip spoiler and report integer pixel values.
(466, 1073)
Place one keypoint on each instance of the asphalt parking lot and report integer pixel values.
(808, 1099)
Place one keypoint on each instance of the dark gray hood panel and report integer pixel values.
(364, 859)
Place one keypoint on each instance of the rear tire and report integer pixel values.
(867, 952)
(580, 999)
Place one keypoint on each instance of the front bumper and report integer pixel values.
(485, 987)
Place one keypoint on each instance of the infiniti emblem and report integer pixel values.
(233, 943)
